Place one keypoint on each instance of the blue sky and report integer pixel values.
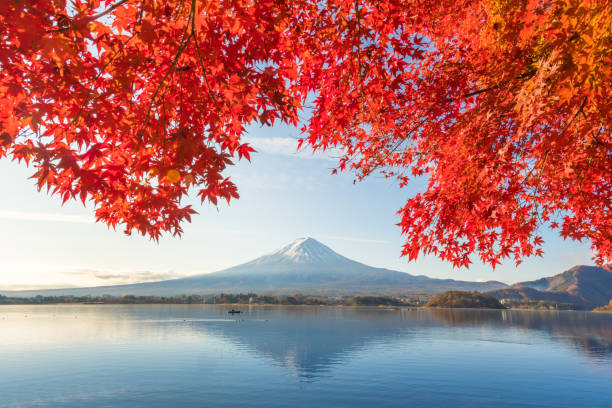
(284, 196)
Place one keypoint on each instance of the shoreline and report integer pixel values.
(249, 306)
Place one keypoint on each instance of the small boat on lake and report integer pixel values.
(234, 311)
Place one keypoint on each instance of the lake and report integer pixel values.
(199, 356)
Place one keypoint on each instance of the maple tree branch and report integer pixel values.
(397, 145)
(182, 47)
(161, 83)
(59, 30)
(581, 110)
(534, 167)
(359, 51)
(102, 70)
(90, 18)
(582, 180)
(181, 108)
(479, 91)
(548, 150)
(163, 135)
(112, 59)
(108, 10)
(195, 41)
(535, 213)
(527, 74)
(597, 141)
(214, 97)
(574, 117)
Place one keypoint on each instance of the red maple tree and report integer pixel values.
(502, 105)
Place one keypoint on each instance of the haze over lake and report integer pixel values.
(198, 355)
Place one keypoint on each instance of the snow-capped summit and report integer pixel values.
(302, 251)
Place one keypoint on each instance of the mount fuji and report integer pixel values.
(303, 266)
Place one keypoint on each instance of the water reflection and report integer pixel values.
(587, 332)
(195, 355)
(309, 341)
(306, 341)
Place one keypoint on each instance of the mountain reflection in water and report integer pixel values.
(309, 340)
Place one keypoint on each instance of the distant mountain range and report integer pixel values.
(308, 266)
(584, 286)
(303, 266)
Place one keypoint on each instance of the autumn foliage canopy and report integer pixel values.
(502, 106)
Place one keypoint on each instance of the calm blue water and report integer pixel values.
(197, 356)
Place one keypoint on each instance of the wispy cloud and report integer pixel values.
(120, 278)
(77, 277)
(40, 216)
(288, 147)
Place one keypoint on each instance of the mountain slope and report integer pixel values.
(305, 265)
(584, 286)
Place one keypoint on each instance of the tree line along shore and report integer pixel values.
(448, 299)
(224, 298)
